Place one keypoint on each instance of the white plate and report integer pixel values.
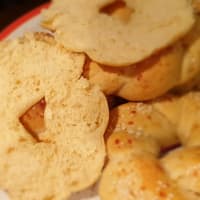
(28, 23)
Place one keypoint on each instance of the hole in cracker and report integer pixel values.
(33, 119)
(119, 10)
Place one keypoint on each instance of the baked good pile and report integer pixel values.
(109, 95)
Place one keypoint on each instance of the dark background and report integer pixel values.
(12, 9)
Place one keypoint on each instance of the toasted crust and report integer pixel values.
(134, 174)
(69, 154)
(140, 81)
(143, 120)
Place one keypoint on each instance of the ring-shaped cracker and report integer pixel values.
(153, 25)
(69, 155)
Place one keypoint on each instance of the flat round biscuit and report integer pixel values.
(154, 24)
(68, 155)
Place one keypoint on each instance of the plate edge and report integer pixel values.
(21, 20)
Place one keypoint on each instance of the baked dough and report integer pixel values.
(143, 120)
(134, 173)
(136, 134)
(68, 155)
(146, 80)
(154, 24)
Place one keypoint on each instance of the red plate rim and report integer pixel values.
(24, 18)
